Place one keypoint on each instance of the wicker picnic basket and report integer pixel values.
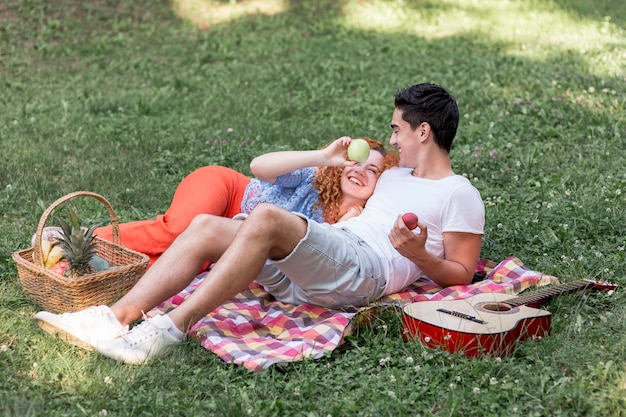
(58, 293)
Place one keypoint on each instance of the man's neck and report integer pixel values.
(433, 166)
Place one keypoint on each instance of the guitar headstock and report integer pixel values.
(602, 285)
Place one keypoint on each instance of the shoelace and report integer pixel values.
(91, 311)
(142, 332)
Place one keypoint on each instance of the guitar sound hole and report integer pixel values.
(498, 307)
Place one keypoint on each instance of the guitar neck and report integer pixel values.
(540, 297)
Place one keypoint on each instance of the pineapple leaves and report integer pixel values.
(77, 244)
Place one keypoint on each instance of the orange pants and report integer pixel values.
(208, 190)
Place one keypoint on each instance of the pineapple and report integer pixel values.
(78, 246)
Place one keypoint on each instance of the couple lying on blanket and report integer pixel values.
(255, 330)
(300, 261)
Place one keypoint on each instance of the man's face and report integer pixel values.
(405, 139)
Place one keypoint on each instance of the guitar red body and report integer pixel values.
(485, 324)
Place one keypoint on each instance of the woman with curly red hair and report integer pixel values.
(314, 183)
(328, 182)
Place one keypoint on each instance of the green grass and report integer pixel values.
(125, 98)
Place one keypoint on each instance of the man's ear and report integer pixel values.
(423, 131)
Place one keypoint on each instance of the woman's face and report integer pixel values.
(358, 181)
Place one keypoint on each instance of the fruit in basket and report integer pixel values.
(60, 267)
(54, 256)
(78, 246)
(51, 253)
(100, 264)
(46, 246)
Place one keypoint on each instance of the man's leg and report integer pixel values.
(207, 237)
(269, 231)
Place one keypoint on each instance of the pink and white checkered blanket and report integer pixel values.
(256, 331)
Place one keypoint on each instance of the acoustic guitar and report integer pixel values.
(486, 324)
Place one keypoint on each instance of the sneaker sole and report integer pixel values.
(135, 361)
(66, 337)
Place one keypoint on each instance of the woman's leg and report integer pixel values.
(213, 190)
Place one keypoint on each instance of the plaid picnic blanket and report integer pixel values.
(256, 331)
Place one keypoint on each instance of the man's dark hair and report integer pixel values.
(432, 104)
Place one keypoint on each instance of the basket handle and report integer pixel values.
(37, 252)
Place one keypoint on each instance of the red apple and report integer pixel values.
(410, 220)
(60, 267)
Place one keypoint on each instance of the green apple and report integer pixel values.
(359, 150)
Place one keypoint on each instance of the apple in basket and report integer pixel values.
(359, 150)
(60, 267)
(410, 220)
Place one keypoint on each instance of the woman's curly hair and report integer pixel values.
(328, 182)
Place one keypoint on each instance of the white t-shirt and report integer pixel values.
(451, 204)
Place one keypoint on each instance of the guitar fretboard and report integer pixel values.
(543, 296)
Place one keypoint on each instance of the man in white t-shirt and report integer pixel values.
(297, 260)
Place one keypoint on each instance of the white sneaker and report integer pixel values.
(85, 328)
(147, 341)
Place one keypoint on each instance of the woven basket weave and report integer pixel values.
(59, 294)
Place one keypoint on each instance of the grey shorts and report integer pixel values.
(330, 267)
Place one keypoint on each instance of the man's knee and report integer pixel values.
(203, 224)
(200, 220)
(277, 227)
(269, 213)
